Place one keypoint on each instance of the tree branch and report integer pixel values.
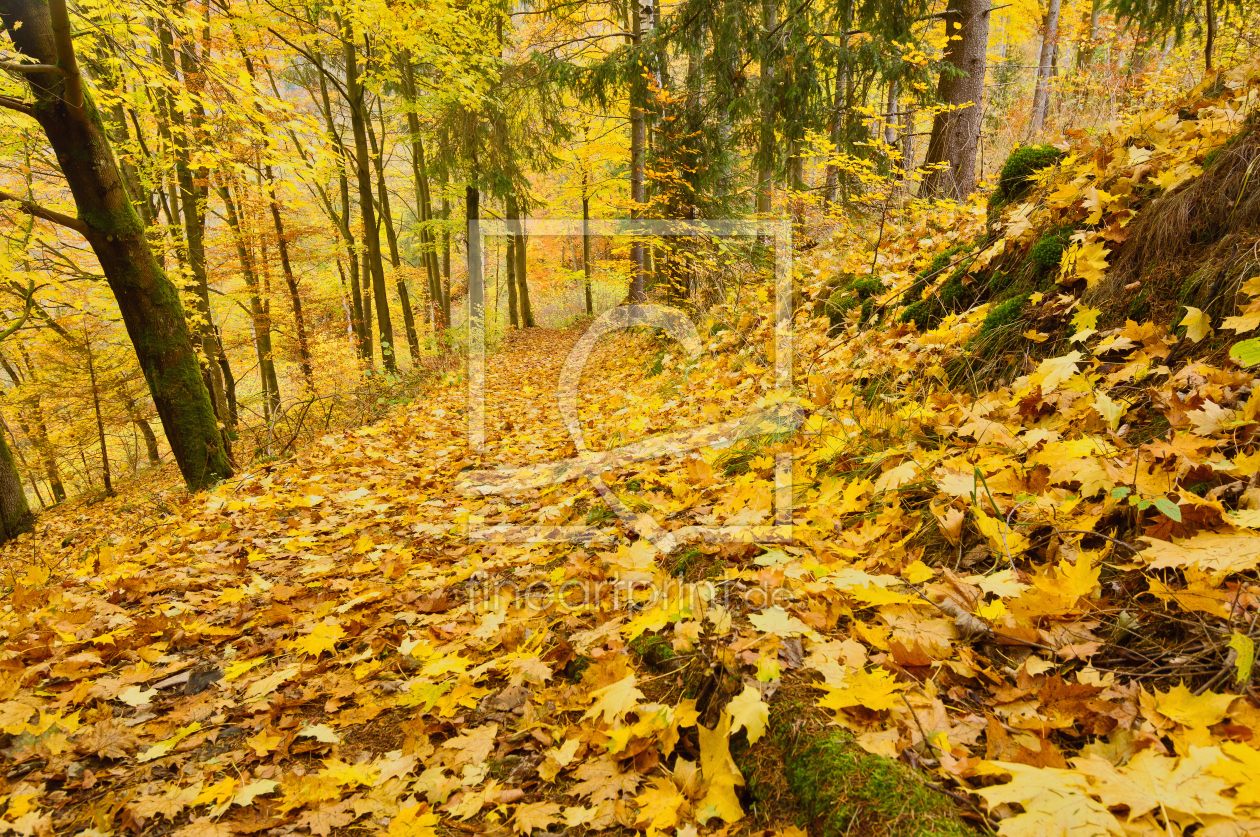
(30, 68)
(32, 208)
(14, 104)
(65, 53)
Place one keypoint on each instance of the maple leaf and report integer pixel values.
(748, 711)
(1183, 706)
(320, 732)
(473, 746)
(1053, 371)
(1209, 551)
(205, 827)
(535, 815)
(322, 639)
(108, 739)
(1150, 781)
(720, 773)
(1198, 324)
(775, 620)
(323, 821)
(876, 689)
(615, 700)
(136, 696)
(163, 747)
(1056, 803)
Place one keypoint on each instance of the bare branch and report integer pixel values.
(17, 105)
(32, 208)
(29, 68)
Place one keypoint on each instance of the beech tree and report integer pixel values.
(148, 300)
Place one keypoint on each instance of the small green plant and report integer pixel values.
(1019, 168)
(1047, 253)
(1004, 314)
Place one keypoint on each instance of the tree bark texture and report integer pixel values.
(955, 136)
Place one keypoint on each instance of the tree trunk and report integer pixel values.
(638, 142)
(840, 100)
(1041, 93)
(15, 514)
(38, 431)
(146, 431)
(1085, 55)
(96, 409)
(766, 140)
(1209, 41)
(522, 283)
(446, 258)
(148, 300)
(295, 299)
(371, 235)
(476, 283)
(229, 380)
(586, 245)
(382, 191)
(192, 205)
(956, 133)
(365, 276)
(258, 311)
(343, 220)
(513, 320)
(424, 201)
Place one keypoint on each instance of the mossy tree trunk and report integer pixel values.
(15, 514)
(148, 300)
(955, 136)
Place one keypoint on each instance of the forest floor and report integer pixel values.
(990, 564)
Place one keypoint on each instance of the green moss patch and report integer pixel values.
(845, 790)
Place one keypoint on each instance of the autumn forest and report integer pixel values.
(802, 417)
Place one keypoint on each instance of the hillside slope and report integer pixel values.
(1023, 562)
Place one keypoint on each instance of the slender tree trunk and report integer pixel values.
(148, 300)
(446, 257)
(586, 246)
(1085, 51)
(424, 202)
(96, 409)
(229, 380)
(840, 98)
(1041, 93)
(956, 133)
(513, 320)
(192, 200)
(365, 276)
(1209, 41)
(146, 432)
(343, 220)
(769, 96)
(258, 311)
(638, 145)
(382, 190)
(39, 425)
(290, 281)
(518, 248)
(371, 235)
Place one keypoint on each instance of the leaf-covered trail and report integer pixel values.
(298, 650)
